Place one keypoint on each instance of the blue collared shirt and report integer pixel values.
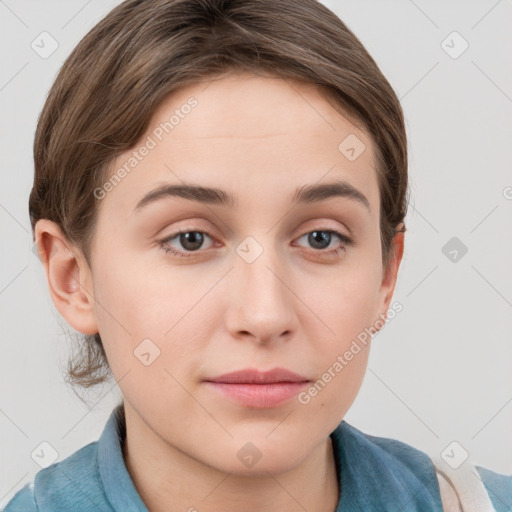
(376, 474)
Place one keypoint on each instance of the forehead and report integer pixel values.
(258, 136)
(248, 105)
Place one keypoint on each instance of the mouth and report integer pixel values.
(259, 389)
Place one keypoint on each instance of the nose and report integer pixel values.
(261, 304)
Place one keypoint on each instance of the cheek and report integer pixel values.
(339, 344)
(345, 299)
(149, 311)
(345, 307)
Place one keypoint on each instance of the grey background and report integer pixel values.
(441, 370)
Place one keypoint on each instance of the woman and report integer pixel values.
(219, 205)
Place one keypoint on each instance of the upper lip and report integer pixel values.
(255, 376)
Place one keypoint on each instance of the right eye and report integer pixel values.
(190, 240)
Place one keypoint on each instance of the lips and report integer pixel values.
(258, 389)
(255, 376)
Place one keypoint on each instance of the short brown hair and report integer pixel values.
(106, 92)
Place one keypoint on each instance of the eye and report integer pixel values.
(320, 239)
(191, 241)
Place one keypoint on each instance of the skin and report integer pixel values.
(294, 307)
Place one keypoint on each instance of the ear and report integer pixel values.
(68, 276)
(390, 273)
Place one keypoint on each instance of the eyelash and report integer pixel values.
(171, 250)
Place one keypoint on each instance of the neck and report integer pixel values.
(170, 480)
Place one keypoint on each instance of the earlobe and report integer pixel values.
(68, 277)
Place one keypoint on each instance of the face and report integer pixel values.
(275, 276)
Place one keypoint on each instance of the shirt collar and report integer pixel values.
(117, 482)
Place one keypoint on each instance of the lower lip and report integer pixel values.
(259, 395)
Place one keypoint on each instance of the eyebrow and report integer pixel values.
(306, 194)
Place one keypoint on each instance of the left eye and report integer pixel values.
(323, 238)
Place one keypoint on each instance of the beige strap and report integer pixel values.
(462, 489)
(449, 498)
